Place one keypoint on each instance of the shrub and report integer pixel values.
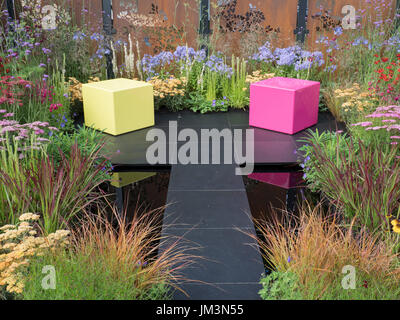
(199, 103)
(309, 252)
(292, 61)
(169, 93)
(387, 83)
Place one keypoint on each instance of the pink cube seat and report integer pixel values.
(284, 104)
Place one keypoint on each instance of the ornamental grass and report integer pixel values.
(114, 258)
(316, 247)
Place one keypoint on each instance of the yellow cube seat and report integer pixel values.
(118, 106)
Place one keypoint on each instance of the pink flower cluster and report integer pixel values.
(387, 118)
(44, 93)
(12, 129)
(55, 106)
(12, 89)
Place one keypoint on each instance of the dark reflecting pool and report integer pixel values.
(140, 191)
(273, 190)
(142, 194)
(274, 193)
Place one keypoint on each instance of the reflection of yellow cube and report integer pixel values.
(118, 106)
(122, 179)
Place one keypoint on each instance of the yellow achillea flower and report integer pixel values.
(168, 87)
(17, 244)
(28, 217)
(7, 226)
(344, 102)
(259, 76)
(75, 87)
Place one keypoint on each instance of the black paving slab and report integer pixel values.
(191, 119)
(207, 209)
(228, 255)
(270, 147)
(204, 177)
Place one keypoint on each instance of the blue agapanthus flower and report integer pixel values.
(290, 56)
(216, 64)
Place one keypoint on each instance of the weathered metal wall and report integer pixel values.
(242, 25)
(236, 26)
(335, 15)
(157, 24)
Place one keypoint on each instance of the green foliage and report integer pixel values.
(13, 166)
(81, 277)
(38, 98)
(361, 180)
(211, 83)
(199, 103)
(378, 119)
(334, 144)
(72, 40)
(88, 140)
(280, 286)
(286, 286)
(367, 287)
(192, 75)
(173, 103)
(236, 88)
(59, 191)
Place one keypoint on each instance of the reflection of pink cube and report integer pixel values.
(284, 180)
(284, 104)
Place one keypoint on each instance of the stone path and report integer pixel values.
(208, 205)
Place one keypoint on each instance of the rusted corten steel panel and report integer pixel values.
(335, 16)
(239, 26)
(157, 24)
(87, 12)
(91, 10)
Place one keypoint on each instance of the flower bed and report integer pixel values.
(50, 167)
